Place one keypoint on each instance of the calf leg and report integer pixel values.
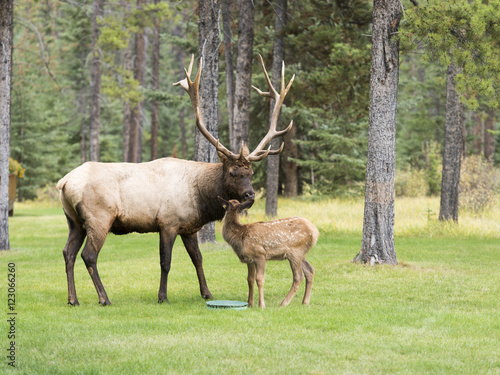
(309, 274)
(260, 266)
(89, 254)
(251, 282)
(167, 240)
(298, 276)
(75, 240)
(191, 245)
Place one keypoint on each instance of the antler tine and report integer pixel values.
(263, 153)
(259, 153)
(192, 88)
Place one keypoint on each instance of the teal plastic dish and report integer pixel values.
(224, 304)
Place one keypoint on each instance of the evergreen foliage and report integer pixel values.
(327, 46)
(464, 33)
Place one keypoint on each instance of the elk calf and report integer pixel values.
(256, 243)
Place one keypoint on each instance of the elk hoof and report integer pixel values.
(207, 295)
(74, 303)
(161, 300)
(105, 302)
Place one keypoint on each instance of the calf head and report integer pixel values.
(233, 205)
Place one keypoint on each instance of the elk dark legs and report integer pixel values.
(167, 240)
(89, 254)
(75, 240)
(191, 244)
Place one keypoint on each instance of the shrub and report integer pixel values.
(411, 183)
(433, 168)
(478, 184)
(15, 168)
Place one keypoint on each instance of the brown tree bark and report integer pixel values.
(378, 223)
(290, 167)
(182, 113)
(6, 38)
(228, 55)
(208, 48)
(156, 85)
(489, 138)
(241, 113)
(83, 127)
(95, 84)
(273, 161)
(453, 148)
(135, 148)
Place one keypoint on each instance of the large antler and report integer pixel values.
(192, 88)
(259, 153)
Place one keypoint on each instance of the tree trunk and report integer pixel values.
(290, 167)
(6, 37)
(453, 147)
(83, 127)
(228, 54)
(208, 48)
(156, 86)
(489, 138)
(273, 161)
(182, 116)
(95, 85)
(135, 149)
(378, 223)
(180, 55)
(241, 113)
(83, 111)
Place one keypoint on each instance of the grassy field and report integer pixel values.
(437, 312)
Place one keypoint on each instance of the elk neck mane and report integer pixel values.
(210, 185)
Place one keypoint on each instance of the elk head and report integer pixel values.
(237, 168)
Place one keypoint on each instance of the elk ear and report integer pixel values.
(223, 202)
(245, 205)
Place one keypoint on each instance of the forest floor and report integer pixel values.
(436, 312)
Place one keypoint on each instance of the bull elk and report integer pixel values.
(169, 196)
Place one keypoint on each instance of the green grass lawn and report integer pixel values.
(438, 311)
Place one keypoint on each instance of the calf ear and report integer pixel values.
(245, 205)
(223, 202)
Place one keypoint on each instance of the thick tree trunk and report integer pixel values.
(273, 161)
(135, 148)
(182, 116)
(95, 84)
(179, 56)
(489, 138)
(83, 127)
(156, 85)
(453, 148)
(208, 48)
(228, 55)
(6, 35)
(290, 167)
(83, 111)
(378, 223)
(241, 113)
